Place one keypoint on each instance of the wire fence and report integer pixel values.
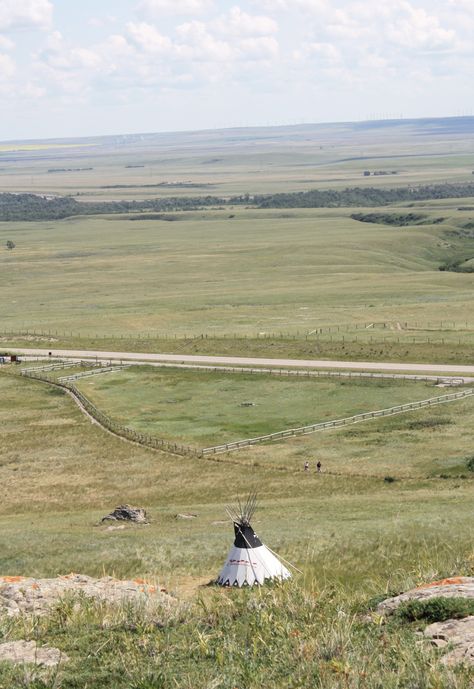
(363, 331)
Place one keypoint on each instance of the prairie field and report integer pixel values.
(257, 272)
(391, 508)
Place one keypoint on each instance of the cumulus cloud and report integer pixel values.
(7, 67)
(147, 37)
(317, 44)
(25, 14)
(154, 9)
(415, 29)
(238, 23)
(6, 43)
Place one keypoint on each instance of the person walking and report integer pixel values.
(319, 466)
(306, 466)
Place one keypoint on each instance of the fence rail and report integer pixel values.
(158, 443)
(109, 424)
(94, 372)
(337, 423)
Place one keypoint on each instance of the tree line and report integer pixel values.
(31, 207)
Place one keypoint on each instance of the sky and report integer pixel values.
(90, 67)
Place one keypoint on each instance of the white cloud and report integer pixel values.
(148, 38)
(239, 23)
(25, 14)
(6, 43)
(154, 9)
(7, 67)
(415, 29)
(327, 52)
(259, 48)
(102, 22)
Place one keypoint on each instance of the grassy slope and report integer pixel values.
(256, 272)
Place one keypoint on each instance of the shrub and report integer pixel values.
(390, 479)
(435, 609)
(470, 463)
(429, 423)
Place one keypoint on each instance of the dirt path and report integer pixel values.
(467, 369)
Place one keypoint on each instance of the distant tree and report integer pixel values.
(10, 244)
(366, 173)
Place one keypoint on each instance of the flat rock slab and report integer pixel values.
(19, 652)
(458, 634)
(456, 587)
(28, 595)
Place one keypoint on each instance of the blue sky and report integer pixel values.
(84, 67)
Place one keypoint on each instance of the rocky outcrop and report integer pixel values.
(456, 635)
(20, 652)
(455, 587)
(27, 595)
(127, 513)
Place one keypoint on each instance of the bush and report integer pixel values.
(436, 609)
(390, 479)
(429, 423)
(470, 463)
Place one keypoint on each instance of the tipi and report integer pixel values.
(249, 562)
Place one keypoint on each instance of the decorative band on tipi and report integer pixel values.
(249, 561)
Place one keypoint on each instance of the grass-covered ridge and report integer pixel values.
(259, 272)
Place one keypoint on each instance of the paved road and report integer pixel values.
(441, 369)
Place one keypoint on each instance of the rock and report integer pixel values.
(186, 515)
(27, 595)
(19, 652)
(127, 513)
(116, 528)
(456, 587)
(457, 633)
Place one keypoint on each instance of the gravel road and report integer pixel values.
(441, 369)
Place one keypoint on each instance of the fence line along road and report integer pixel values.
(128, 357)
(338, 423)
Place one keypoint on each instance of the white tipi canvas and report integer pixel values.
(249, 562)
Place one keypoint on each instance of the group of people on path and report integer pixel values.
(319, 466)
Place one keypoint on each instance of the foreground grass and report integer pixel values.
(275, 637)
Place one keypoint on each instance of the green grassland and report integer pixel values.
(206, 408)
(353, 535)
(256, 272)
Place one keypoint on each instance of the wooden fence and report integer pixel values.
(158, 443)
(109, 424)
(338, 423)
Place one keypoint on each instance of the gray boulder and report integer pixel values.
(127, 513)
